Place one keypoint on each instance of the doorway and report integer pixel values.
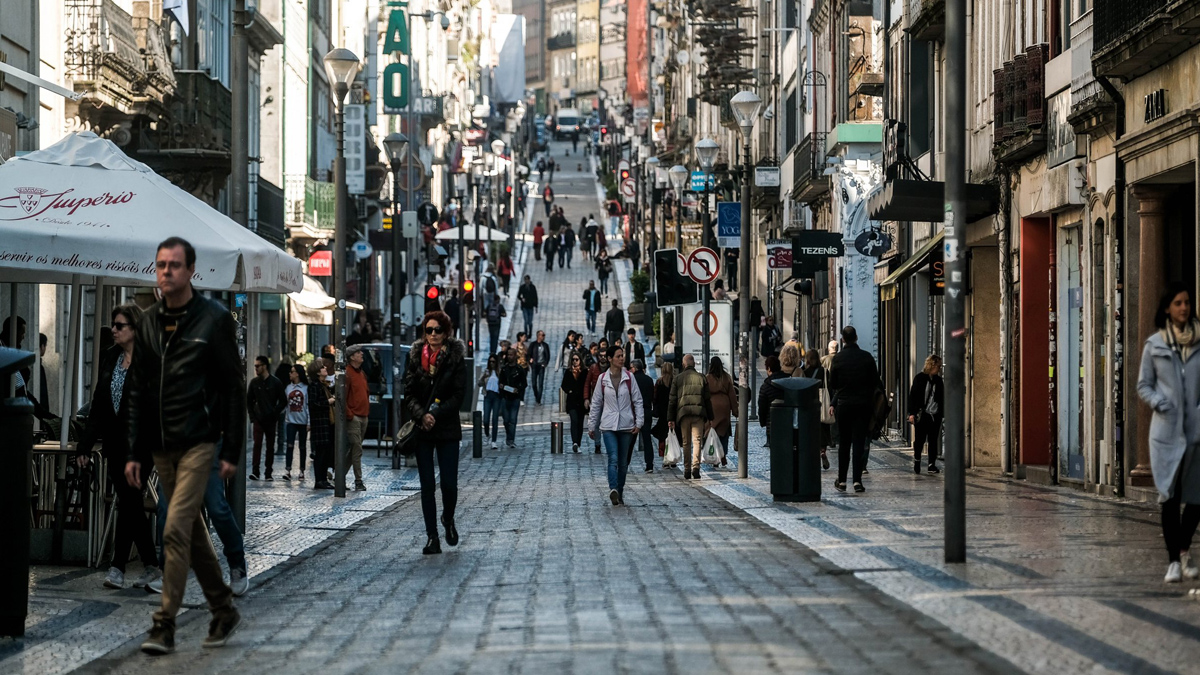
(1070, 352)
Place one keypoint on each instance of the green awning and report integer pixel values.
(890, 285)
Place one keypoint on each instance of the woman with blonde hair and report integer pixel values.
(791, 358)
(925, 411)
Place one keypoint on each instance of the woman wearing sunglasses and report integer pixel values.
(108, 421)
(434, 382)
(571, 392)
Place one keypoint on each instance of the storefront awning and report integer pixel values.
(922, 201)
(313, 306)
(890, 285)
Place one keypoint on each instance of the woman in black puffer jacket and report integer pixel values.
(434, 383)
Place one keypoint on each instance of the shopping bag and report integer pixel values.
(712, 453)
(674, 452)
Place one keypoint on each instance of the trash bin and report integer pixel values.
(556, 438)
(16, 428)
(795, 434)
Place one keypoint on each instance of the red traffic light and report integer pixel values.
(468, 286)
(604, 131)
(432, 292)
(624, 174)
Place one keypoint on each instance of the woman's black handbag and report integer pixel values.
(406, 436)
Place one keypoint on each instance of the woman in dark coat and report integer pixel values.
(320, 422)
(925, 412)
(662, 400)
(434, 381)
(574, 382)
(108, 421)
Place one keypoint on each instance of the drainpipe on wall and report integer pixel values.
(1118, 229)
(1007, 460)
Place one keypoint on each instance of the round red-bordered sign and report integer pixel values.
(712, 323)
(703, 265)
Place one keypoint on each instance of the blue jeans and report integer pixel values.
(570, 254)
(617, 445)
(563, 252)
(447, 459)
(528, 314)
(614, 225)
(511, 407)
(219, 515)
(539, 381)
(591, 321)
(491, 413)
(604, 285)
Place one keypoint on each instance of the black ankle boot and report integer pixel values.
(451, 531)
(434, 545)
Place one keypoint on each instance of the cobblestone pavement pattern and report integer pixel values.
(694, 577)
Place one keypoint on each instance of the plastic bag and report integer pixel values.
(712, 452)
(674, 452)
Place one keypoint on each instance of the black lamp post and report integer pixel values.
(746, 106)
(396, 146)
(341, 67)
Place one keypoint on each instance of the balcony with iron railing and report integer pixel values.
(1019, 106)
(808, 169)
(1133, 37)
(612, 33)
(309, 204)
(117, 61)
(561, 41)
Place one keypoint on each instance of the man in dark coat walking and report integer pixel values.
(265, 402)
(853, 380)
(614, 323)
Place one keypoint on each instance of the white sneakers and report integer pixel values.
(114, 579)
(239, 582)
(150, 575)
(1174, 574)
(493, 445)
(1188, 566)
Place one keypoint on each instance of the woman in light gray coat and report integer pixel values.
(1170, 382)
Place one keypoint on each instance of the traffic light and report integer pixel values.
(624, 175)
(468, 291)
(671, 287)
(603, 131)
(432, 292)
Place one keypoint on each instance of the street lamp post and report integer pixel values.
(396, 145)
(746, 106)
(341, 67)
(652, 169)
(706, 153)
(678, 175)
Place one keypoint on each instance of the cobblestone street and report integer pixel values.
(706, 576)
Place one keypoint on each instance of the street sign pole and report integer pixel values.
(954, 326)
(706, 240)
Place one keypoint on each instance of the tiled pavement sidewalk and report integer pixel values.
(550, 578)
(1057, 581)
(74, 620)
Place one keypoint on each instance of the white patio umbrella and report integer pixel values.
(82, 207)
(82, 212)
(485, 233)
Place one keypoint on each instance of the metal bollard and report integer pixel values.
(16, 428)
(477, 435)
(556, 438)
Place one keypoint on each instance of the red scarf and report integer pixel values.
(429, 359)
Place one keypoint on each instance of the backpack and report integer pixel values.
(494, 311)
(490, 285)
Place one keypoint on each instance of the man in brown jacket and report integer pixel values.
(690, 408)
(358, 409)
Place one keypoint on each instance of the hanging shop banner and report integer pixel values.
(779, 254)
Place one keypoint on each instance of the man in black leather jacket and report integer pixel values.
(853, 380)
(186, 394)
